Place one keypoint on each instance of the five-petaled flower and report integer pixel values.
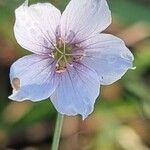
(71, 59)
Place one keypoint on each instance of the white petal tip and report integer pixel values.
(84, 117)
(11, 97)
(15, 96)
(133, 68)
(26, 3)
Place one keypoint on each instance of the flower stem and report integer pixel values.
(57, 133)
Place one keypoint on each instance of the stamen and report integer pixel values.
(64, 55)
(64, 47)
(75, 54)
(58, 49)
(59, 60)
(65, 59)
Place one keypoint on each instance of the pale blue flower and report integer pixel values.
(71, 59)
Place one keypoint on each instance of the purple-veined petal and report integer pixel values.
(83, 18)
(109, 56)
(33, 78)
(77, 91)
(36, 26)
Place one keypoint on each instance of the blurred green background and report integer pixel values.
(121, 120)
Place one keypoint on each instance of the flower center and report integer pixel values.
(65, 54)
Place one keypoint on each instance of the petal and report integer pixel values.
(84, 17)
(77, 91)
(36, 26)
(109, 56)
(33, 78)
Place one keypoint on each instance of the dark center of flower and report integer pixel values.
(65, 54)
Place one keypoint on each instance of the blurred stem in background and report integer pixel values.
(57, 132)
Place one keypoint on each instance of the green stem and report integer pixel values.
(57, 133)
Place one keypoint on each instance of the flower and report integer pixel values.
(71, 59)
